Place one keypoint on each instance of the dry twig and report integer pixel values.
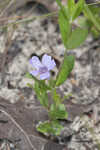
(19, 127)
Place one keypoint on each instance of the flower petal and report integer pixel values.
(46, 60)
(34, 73)
(45, 76)
(35, 62)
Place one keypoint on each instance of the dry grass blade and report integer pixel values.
(5, 9)
(7, 46)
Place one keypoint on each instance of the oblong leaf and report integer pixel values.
(65, 70)
(77, 37)
(71, 7)
(59, 112)
(50, 128)
(65, 27)
(77, 9)
(89, 14)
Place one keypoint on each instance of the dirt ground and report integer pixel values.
(20, 109)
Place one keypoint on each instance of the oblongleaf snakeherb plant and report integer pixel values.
(41, 73)
(72, 38)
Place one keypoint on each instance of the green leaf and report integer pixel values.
(84, 23)
(95, 9)
(57, 127)
(66, 97)
(45, 127)
(44, 97)
(58, 112)
(66, 68)
(41, 94)
(71, 5)
(65, 27)
(56, 97)
(77, 37)
(50, 128)
(51, 83)
(40, 89)
(77, 9)
(42, 85)
(30, 85)
(28, 75)
(59, 4)
(88, 14)
(62, 8)
(95, 33)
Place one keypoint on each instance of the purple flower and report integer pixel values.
(42, 69)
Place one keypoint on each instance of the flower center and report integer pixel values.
(43, 70)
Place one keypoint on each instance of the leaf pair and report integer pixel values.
(58, 112)
(50, 128)
(67, 14)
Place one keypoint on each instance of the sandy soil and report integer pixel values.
(36, 38)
